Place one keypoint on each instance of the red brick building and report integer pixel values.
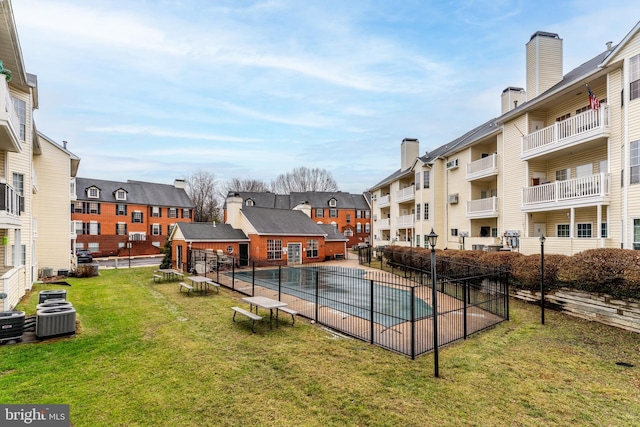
(110, 215)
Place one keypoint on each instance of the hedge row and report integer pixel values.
(611, 271)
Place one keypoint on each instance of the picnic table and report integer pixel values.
(203, 283)
(168, 274)
(267, 303)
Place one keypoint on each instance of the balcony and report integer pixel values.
(483, 168)
(406, 194)
(11, 204)
(483, 208)
(73, 229)
(384, 223)
(404, 221)
(582, 128)
(585, 191)
(384, 201)
(9, 121)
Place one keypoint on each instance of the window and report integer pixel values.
(359, 213)
(319, 213)
(79, 246)
(426, 211)
(18, 183)
(584, 170)
(367, 228)
(562, 174)
(94, 208)
(425, 180)
(186, 213)
(562, 230)
(274, 249)
(634, 77)
(249, 202)
(79, 227)
(93, 246)
(333, 213)
(426, 240)
(94, 228)
(348, 232)
(417, 211)
(173, 213)
(121, 209)
(367, 214)
(634, 162)
(417, 240)
(454, 232)
(358, 228)
(603, 229)
(584, 230)
(93, 193)
(333, 203)
(136, 217)
(494, 232)
(155, 211)
(312, 249)
(21, 110)
(170, 228)
(349, 218)
(636, 233)
(229, 249)
(121, 229)
(121, 195)
(156, 229)
(417, 181)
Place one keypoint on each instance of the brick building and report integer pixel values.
(109, 215)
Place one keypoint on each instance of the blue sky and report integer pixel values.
(155, 90)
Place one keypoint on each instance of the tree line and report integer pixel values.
(208, 195)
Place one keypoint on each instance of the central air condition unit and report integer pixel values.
(452, 164)
(53, 303)
(11, 325)
(55, 322)
(452, 198)
(51, 294)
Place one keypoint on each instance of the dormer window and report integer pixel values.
(333, 203)
(93, 192)
(249, 202)
(121, 195)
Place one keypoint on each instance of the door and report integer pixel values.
(539, 229)
(294, 253)
(244, 254)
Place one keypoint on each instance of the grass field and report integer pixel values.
(146, 355)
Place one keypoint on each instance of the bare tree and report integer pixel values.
(304, 179)
(247, 184)
(201, 188)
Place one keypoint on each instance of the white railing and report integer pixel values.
(10, 200)
(384, 223)
(571, 189)
(34, 227)
(384, 201)
(483, 167)
(405, 221)
(8, 107)
(483, 206)
(554, 136)
(73, 228)
(405, 194)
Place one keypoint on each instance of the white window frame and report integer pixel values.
(93, 247)
(155, 211)
(121, 195)
(93, 192)
(585, 226)
(563, 228)
(634, 162)
(634, 77)
(121, 226)
(155, 229)
(93, 228)
(136, 217)
(172, 213)
(274, 249)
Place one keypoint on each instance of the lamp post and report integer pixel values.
(129, 247)
(542, 239)
(433, 238)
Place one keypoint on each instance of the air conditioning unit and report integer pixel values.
(55, 322)
(53, 303)
(452, 198)
(52, 294)
(375, 217)
(11, 325)
(452, 164)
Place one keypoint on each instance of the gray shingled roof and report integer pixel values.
(317, 199)
(333, 235)
(206, 231)
(138, 192)
(284, 222)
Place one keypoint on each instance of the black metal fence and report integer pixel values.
(389, 310)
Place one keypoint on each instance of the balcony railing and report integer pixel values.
(482, 208)
(582, 127)
(384, 223)
(405, 194)
(10, 201)
(384, 201)
(486, 166)
(571, 191)
(9, 121)
(405, 221)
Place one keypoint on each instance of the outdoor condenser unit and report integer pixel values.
(11, 325)
(53, 303)
(50, 294)
(55, 322)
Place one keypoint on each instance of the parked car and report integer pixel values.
(84, 256)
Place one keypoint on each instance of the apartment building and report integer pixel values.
(562, 160)
(350, 214)
(113, 218)
(32, 225)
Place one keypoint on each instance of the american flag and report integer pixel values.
(593, 101)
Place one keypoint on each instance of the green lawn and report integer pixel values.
(147, 355)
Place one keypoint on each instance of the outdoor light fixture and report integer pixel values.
(433, 238)
(542, 239)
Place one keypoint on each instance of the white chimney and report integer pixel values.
(544, 62)
(180, 183)
(409, 150)
(234, 205)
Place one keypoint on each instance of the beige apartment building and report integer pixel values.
(556, 163)
(35, 175)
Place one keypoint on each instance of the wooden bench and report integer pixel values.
(157, 278)
(249, 314)
(290, 311)
(189, 288)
